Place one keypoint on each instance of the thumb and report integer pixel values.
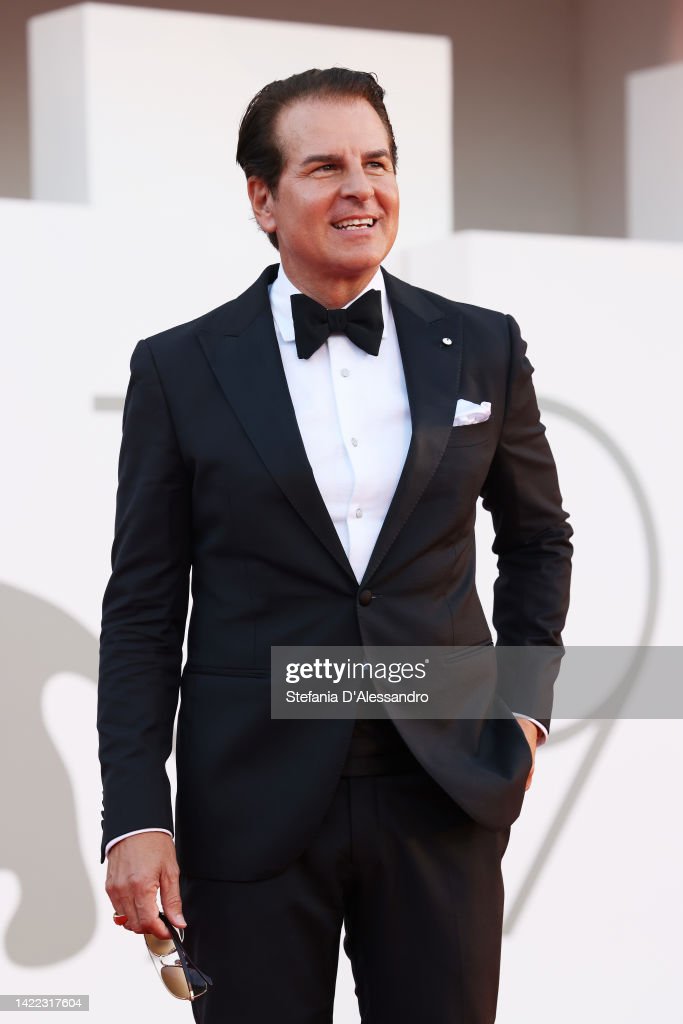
(171, 901)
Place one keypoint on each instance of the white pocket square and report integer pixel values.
(469, 412)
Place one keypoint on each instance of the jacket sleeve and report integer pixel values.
(532, 542)
(144, 611)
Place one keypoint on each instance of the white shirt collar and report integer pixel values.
(282, 289)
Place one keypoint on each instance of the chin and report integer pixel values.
(360, 263)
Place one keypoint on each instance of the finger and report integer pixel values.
(155, 926)
(121, 901)
(170, 896)
(136, 898)
(147, 910)
(125, 905)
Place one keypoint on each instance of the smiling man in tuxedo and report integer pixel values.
(313, 451)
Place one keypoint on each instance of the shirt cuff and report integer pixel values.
(542, 731)
(137, 832)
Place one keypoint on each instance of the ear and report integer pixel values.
(261, 199)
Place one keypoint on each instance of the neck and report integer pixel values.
(334, 293)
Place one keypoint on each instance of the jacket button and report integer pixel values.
(365, 597)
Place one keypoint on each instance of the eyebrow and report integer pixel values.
(335, 158)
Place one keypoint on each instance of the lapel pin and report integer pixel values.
(446, 341)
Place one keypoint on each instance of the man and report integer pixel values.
(315, 471)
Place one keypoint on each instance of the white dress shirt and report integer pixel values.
(354, 419)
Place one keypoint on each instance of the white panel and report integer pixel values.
(57, 98)
(77, 296)
(591, 872)
(166, 91)
(654, 156)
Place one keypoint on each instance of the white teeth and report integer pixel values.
(365, 222)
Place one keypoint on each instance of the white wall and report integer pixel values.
(654, 153)
(592, 868)
(613, 39)
(140, 108)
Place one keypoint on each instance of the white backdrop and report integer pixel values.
(137, 108)
(592, 878)
(592, 870)
(654, 153)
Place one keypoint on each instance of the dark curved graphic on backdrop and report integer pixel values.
(608, 712)
(55, 916)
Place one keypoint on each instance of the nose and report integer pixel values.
(356, 184)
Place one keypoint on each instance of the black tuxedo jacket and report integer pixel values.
(213, 478)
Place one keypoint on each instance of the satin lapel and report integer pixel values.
(432, 373)
(249, 370)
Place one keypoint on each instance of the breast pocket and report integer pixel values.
(469, 434)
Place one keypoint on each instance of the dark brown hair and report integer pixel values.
(258, 152)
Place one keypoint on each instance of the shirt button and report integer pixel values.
(364, 598)
(359, 513)
(345, 372)
(354, 442)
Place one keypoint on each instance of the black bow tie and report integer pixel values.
(361, 322)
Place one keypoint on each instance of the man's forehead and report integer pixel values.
(328, 126)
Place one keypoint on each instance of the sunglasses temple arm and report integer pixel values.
(189, 963)
(180, 950)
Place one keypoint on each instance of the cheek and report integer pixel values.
(390, 202)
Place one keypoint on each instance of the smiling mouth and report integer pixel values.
(355, 223)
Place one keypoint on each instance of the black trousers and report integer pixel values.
(417, 885)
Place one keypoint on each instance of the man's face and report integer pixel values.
(337, 171)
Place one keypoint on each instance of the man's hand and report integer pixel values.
(531, 733)
(137, 867)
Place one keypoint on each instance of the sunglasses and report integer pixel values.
(182, 978)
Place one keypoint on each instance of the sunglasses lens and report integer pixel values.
(160, 947)
(175, 981)
(185, 983)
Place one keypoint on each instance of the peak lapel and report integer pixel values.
(432, 374)
(245, 358)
